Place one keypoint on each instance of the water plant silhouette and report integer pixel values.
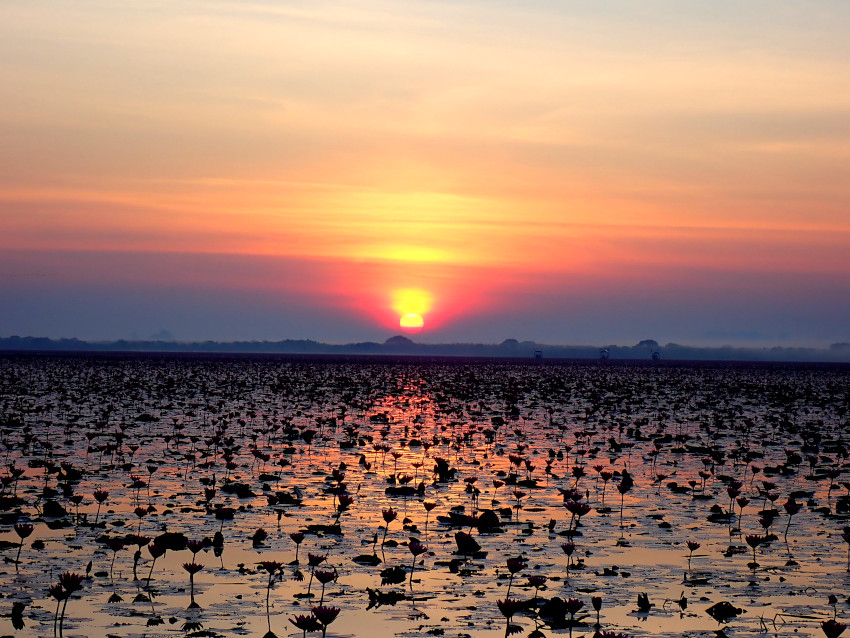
(324, 576)
(297, 538)
(416, 549)
(192, 569)
(518, 496)
(537, 581)
(325, 615)
(742, 501)
(116, 545)
(23, 530)
(75, 500)
(155, 551)
(259, 537)
(572, 607)
(389, 516)
(139, 541)
(508, 608)
(605, 475)
(343, 504)
(596, 602)
(496, 485)
(514, 565)
(692, 547)
(576, 510)
(428, 505)
(832, 629)
(69, 583)
(791, 507)
(625, 485)
(313, 561)
(306, 622)
(754, 540)
(58, 593)
(272, 568)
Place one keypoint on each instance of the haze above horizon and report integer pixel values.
(571, 172)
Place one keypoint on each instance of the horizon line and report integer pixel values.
(510, 348)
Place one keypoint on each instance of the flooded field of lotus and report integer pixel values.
(168, 496)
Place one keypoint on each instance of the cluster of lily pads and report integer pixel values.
(472, 493)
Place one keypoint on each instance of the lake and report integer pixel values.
(681, 499)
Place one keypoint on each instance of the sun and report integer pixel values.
(411, 304)
(411, 322)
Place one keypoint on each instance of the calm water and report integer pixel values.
(196, 446)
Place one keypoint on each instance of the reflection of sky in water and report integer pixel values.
(557, 409)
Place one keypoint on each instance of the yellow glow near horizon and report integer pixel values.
(407, 253)
(411, 321)
(412, 301)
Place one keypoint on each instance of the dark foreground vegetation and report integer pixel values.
(216, 496)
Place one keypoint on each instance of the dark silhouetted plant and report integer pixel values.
(23, 530)
(272, 568)
(325, 615)
(192, 568)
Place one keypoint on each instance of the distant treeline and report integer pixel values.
(403, 346)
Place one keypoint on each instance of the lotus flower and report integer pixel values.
(296, 537)
(514, 565)
(155, 551)
(325, 615)
(596, 601)
(23, 530)
(272, 567)
(193, 568)
(417, 549)
(69, 582)
(306, 623)
(324, 576)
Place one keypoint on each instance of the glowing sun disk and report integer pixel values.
(411, 320)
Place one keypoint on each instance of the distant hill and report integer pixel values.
(401, 345)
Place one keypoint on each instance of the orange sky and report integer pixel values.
(484, 152)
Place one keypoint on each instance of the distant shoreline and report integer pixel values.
(425, 360)
(400, 346)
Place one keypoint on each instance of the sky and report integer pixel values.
(567, 172)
